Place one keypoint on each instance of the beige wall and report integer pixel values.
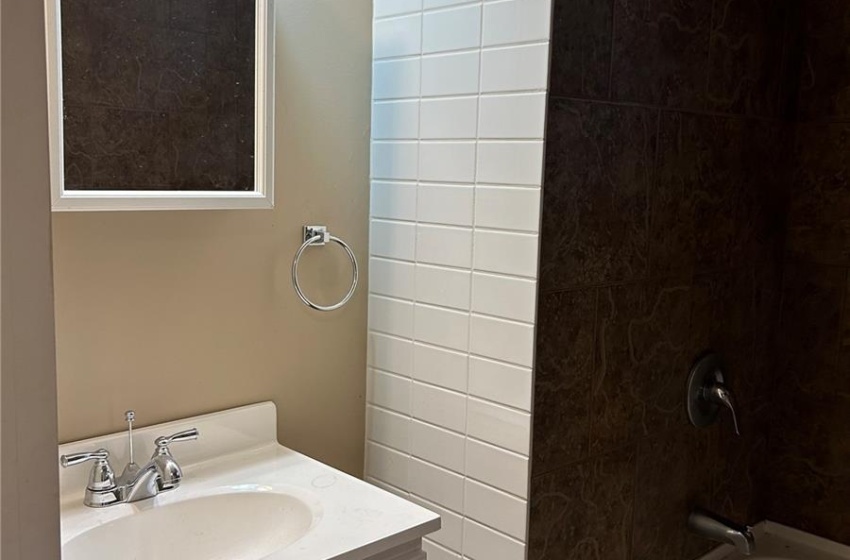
(180, 313)
(29, 498)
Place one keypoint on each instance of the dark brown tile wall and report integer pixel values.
(810, 437)
(158, 94)
(663, 223)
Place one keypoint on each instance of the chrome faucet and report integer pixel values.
(160, 474)
(716, 528)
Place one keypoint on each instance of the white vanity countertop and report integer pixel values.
(238, 451)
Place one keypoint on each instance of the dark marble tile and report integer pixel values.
(563, 370)
(824, 88)
(745, 69)
(581, 48)
(717, 202)
(811, 322)
(642, 358)
(672, 478)
(740, 482)
(162, 94)
(584, 511)
(79, 161)
(819, 211)
(810, 481)
(661, 52)
(598, 175)
(128, 149)
(724, 320)
(205, 148)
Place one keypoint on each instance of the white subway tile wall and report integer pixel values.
(458, 115)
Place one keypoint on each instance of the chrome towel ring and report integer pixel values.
(317, 236)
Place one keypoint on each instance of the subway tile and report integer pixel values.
(435, 551)
(397, 120)
(495, 509)
(436, 484)
(511, 298)
(431, 4)
(443, 286)
(450, 534)
(440, 366)
(393, 79)
(384, 8)
(445, 204)
(388, 428)
(387, 487)
(507, 208)
(513, 116)
(454, 29)
(394, 240)
(450, 246)
(391, 316)
(502, 383)
(389, 391)
(395, 160)
(387, 465)
(482, 543)
(439, 406)
(515, 163)
(503, 340)
(497, 467)
(442, 327)
(447, 161)
(399, 36)
(390, 353)
(516, 21)
(514, 68)
(503, 427)
(508, 253)
(391, 278)
(438, 446)
(447, 119)
(393, 200)
(450, 74)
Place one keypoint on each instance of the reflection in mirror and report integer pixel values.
(160, 103)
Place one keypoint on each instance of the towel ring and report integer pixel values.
(318, 236)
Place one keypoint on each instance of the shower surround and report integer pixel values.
(661, 237)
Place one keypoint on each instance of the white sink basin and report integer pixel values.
(247, 525)
(243, 497)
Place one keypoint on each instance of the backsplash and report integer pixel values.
(158, 95)
(662, 215)
(459, 97)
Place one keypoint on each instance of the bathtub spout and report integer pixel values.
(716, 528)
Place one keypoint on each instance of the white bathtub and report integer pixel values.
(778, 542)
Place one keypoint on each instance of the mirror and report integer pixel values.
(160, 104)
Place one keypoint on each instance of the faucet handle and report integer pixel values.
(74, 459)
(101, 477)
(170, 472)
(163, 442)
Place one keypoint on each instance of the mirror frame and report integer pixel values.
(79, 200)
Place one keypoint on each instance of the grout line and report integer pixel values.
(487, 94)
(480, 271)
(464, 50)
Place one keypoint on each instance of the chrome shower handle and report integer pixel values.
(719, 394)
(707, 393)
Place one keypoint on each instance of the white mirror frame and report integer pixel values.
(261, 197)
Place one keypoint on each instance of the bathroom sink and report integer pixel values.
(248, 524)
(243, 496)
